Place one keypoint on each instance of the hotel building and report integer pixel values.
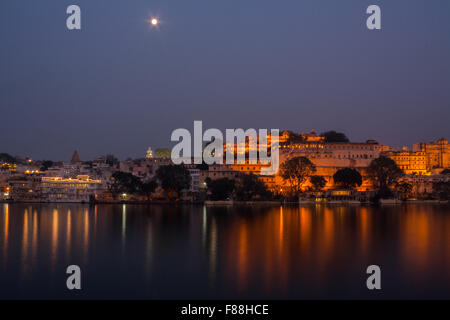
(79, 189)
(55, 189)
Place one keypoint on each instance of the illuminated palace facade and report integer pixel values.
(327, 157)
(411, 162)
(425, 159)
(437, 153)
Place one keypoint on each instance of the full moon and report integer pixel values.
(154, 21)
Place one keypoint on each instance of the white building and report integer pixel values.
(149, 153)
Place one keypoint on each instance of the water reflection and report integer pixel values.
(124, 223)
(363, 223)
(5, 213)
(34, 241)
(217, 252)
(54, 241)
(213, 253)
(24, 265)
(68, 231)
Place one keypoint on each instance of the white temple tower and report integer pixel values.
(149, 153)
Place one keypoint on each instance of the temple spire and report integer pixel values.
(75, 157)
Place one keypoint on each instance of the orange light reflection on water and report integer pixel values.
(6, 234)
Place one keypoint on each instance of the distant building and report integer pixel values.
(8, 167)
(312, 137)
(423, 184)
(336, 154)
(4, 191)
(327, 157)
(411, 162)
(143, 168)
(75, 158)
(25, 188)
(437, 153)
(79, 189)
(35, 188)
(149, 153)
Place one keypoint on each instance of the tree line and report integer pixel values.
(383, 172)
(245, 187)
(172, 178)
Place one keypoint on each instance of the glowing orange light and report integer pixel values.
(154, 21)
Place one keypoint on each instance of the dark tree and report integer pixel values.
(173, 178)
(296, 171)
(250, 187)
(5, 157)
(221, 189)
(147, 188)
(445, 171)
(124, 182)
(405, 189)
(317, 182)
(333, 136)
(384, 174)
(442, 190)
(163, 153)
(347, 178)
(46, 164)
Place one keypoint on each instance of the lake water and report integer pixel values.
(236, 252)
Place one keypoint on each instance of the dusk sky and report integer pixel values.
(118, 85)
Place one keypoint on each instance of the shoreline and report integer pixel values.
(236, 203)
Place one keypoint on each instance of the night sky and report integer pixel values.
(119, 86)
